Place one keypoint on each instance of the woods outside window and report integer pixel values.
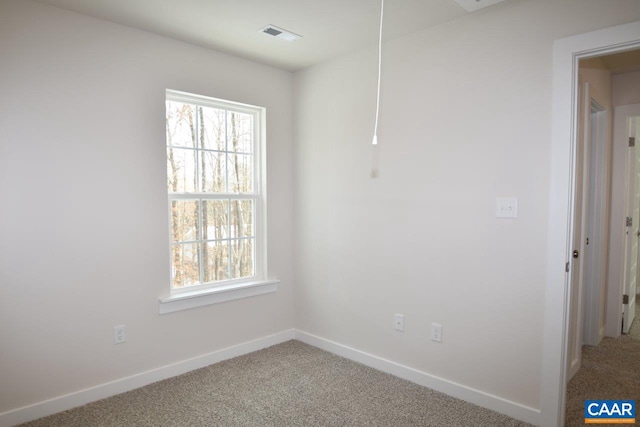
(214, 191)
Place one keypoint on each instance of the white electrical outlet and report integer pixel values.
(436, 332)
(398, 322)
(119, 334)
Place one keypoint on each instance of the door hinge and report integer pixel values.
(629, 221)
(566, 267)
(632, 141)
(625, 299)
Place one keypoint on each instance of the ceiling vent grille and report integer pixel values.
(473, 5)
(272, 30)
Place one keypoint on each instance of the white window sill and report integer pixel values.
(187, 300)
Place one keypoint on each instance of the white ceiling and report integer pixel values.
(329, 27)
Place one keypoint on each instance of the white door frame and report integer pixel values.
(566, 54)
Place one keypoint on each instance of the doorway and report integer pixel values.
(558, 298)
(626, 130)
(605, 248)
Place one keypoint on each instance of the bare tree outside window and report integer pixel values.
(212, 199)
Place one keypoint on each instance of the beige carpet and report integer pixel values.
(609, 371)
(290, 384)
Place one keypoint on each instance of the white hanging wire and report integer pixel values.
(375, 128)
(374, 142)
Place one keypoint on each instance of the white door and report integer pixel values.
(596, 242)
(633, 231)
(580, 221)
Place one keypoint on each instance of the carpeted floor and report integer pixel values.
(290, 384)
(609, 371)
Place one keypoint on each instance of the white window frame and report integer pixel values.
(211, 293)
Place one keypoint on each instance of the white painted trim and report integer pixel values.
(187, 300)
(102, 391)
(574, 367)
(258, 196)
(477, 397)
(566, 53)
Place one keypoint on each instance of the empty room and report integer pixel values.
(286, 212)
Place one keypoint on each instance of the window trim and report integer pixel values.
(202, 297)
(211, 293)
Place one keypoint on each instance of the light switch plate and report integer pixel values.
(506, 207)
(398, 322)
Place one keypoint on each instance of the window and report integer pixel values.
(215, 192)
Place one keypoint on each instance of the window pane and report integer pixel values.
(240, 129)
(215, 219)
(240, 173)
(185, 264)
(181, 130)
(213, 172)
(184, 220)
(210, 153)
(213, 128)
(241, 258)
(181, 170)
(241, 218)
(216, 261)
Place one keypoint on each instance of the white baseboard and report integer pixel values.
(477, 397)
(82, 397)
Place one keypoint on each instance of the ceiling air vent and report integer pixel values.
(279, 33)
(473, 5)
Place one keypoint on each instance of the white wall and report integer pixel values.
(626, 88)
(83, 224)
(465, 117)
